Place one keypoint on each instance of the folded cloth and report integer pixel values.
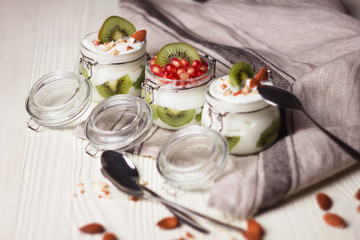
(311, 47)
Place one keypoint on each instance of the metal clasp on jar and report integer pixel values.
(213, 61)
(87, 63)
(149, 87)
(218, 116)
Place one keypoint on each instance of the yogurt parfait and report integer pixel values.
(114, 59)
(235, 108)
(175, 85)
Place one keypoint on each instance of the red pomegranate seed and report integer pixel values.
(180, 70)
(203, 68)
(170, 68)
(156, 69)
(192, 71)
(184, 75)
(184, 62)
(177, 83)
(203, 63)
(196, 63)
(167, 74)
(175, 62)
(200, 73)
(152, 61)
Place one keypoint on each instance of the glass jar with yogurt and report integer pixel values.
(177, 103)
(248, 123)
(113, 68)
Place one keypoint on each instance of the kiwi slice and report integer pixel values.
(139, 80)
(115, 28)
(239, 73)
(154, 111)
(178, 50)
(198, 116)
(175, 117)
(232, 141)
(110, 88)
(270, 134)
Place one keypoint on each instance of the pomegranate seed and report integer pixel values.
(164, 82)
(180, 70)
(183, 83)
(196, 63)
(175, 62)
(200, 73)
(177, 83)
(167, 74)
(170, 68)
(203, 63)
(203, 68)
(156, 69)
(184, 75)
(184, 62)
(223, 86)
(152, 61)
(192, 71)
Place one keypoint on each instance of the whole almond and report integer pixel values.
(324, 201)
(334, 220)
(139, 35)
(254, 227)
(109, 236)
(92, 228)
(262, 74)
(250, 236)
(357, 194)
(168, 223)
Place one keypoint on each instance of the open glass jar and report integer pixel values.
(176, 103)
(112, 74)
(249, 124)
(193, 157)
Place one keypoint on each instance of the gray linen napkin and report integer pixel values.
(312, 49)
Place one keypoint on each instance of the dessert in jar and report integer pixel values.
(175, 85)
(234, 108)
(114, 59)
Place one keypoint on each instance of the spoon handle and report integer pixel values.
(185, 210)
(181, 215)
(351, 151)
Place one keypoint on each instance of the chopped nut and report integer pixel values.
(255, 92)
(132, 40)
(96, 42)
(114, 52)
(128, 48)
(247, 89)
(120, 40)
(227, 92)
(109, 45)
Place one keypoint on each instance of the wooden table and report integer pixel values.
(49, 186)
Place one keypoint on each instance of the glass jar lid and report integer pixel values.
(118, 123)
(58, 98)
(193, 157)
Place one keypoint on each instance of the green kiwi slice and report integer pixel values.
(239, 73)
(178, 50)
(139, 80)
(198, 116)
(153, 106)
(232, 141)
(270, 134)
(119, 86)
(174, 117)
(114, 28)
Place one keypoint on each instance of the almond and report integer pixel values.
(262, 74)
(139, 35)
(358, 208)
(334, 220)
(254, 227)
(168, 223)
(189, 235)
(324, 201)
(251, 236)
(254, 82)
(92, 228)
(357, 194)
(109, 236)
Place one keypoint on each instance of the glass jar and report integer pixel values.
(112, 74)
(249, 126)
(176, 103)
(57, 99)
(193, 157)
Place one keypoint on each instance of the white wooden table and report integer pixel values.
(41, 173)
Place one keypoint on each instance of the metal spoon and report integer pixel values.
(285, 99)
(124, 175)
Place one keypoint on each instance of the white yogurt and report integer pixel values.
(101, 66)
(246, 118)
